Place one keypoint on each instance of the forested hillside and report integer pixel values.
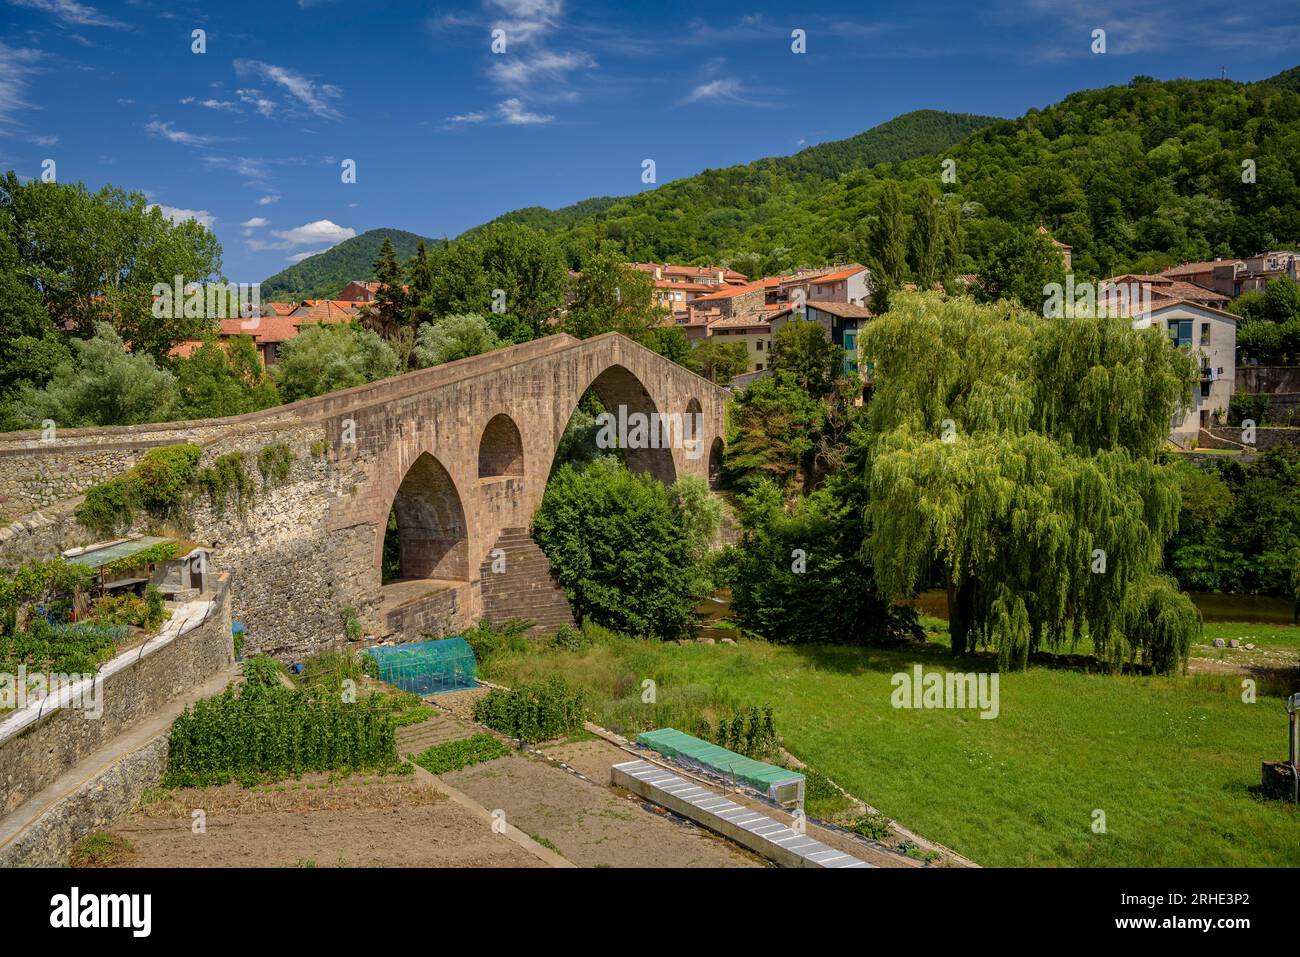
(323, 275)
(1139, 176)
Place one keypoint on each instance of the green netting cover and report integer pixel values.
(427, 667)
(676, 744)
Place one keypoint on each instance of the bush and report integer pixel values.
(274, 462)
(617, 544)
(750, 732)
(874, 825)
(454, 755)
(570, 639)
(486, 639)
(225, 479)
(128, 609)
(159, 484)
(534, 712)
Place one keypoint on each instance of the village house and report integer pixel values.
(278, 323)
(677, 286)
(842, 322)
(1210, 334)
(1232, 277)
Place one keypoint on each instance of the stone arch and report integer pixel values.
(623, 394)
(715, 463)
(500, 449)
(431, 528)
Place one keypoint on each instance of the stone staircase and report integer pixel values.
(526, 589)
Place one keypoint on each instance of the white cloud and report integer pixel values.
(186, 101)
(226, 105)
(70, 11)
(512, 112)
(321, 231)
(165, 131)
(45, 140)
(178, 215)
(525, 73)
(312, 95)
(524, 20)
(255, 222)
(721, 88)
(268, 200)
(463, 118)
(299, 257)
(16, 65)
(255, 99)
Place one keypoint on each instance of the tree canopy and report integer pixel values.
(1016, 457)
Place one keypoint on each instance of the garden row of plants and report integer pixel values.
(163, 483)
(264, 731)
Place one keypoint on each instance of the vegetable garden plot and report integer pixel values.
(427, 667)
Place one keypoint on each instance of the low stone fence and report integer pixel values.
(49, 738)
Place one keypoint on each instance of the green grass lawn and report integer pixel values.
(1174, 763)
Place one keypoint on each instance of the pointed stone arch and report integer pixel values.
(432, 532)
(500, 449)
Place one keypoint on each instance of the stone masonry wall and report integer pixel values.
(34, 756)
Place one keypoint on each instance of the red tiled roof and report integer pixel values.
(727, 292)
(845, 310)
(1189, 268)
(839, 274)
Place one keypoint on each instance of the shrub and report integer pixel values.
(351, 624)
(617, 544)
(454, 755)
(570, 638)
(63, 649)
(274, 462)
(534, 712)
(750, 732)
(262, 672)
(226, 478)
(874, 825)
(158, 484)
(486, 639)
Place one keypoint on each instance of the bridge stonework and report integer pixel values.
(459, 453)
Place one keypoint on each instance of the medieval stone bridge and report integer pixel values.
(458, 453)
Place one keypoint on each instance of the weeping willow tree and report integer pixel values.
(1016, 456)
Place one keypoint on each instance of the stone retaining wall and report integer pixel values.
(94, 805)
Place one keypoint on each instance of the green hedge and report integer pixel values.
(534, 712)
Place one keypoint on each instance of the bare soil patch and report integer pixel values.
(589, 823)
(361, 821)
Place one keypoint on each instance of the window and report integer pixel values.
(1205, 333)
(1205, 390)
(759, 345)
(758, 367)
(1180, 332)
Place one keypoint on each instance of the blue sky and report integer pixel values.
(250, 135)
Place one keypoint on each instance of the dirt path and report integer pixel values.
(360, 822)
(589, 823)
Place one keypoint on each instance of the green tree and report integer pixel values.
(94, 257)
(502, 270)
(772, 433)
(1020, 267)
(886, 246)
(100, 384)
(799, 573)
(325, 358)
(803, 349)
(223, 379)
(718, 361)
(611, 296)
(391, 300)
(617, 544)
(1044, 513)
(451, 338)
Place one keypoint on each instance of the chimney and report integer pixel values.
(721, 276)
(659, 273)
